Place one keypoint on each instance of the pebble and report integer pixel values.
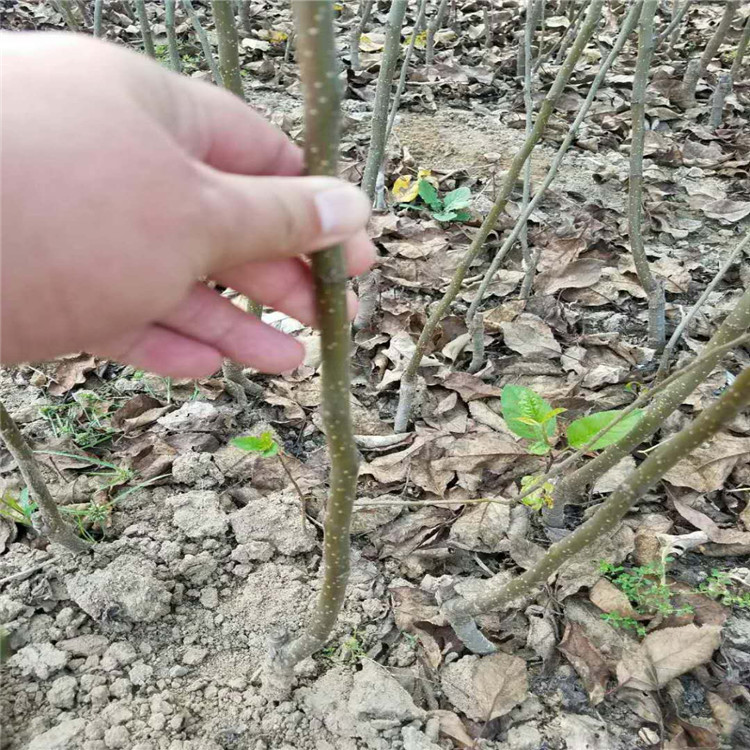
(62, 693)
(116, 737)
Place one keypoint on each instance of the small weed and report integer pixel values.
(541, 497)
(528, 415)
(720, 586)
(350, 650)
(624, 623)
(84, 419)
(161, 51)
(422, 194)
(17, 509)
(645, 587)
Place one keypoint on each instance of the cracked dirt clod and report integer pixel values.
(125, 588)
(198, 514)
(276, 519)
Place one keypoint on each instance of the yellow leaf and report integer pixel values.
(426, 174)
(420, 43)
(404, 190)
(371, 42)
(279, 36)
(338, 6)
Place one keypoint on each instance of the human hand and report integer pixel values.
(124, 184)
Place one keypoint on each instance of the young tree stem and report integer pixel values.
(229, 57)
(735, 325)
(432, 28)
(419, 23)
(148, 39)
(688, 319)
(545, 112)
(528, 100)
(627, 27)
(695, 72)
(741, 50)
(203, 39)
(613, 510)
(54, 527)
(174, 48)
(318, 69)
(383, 96)
(98, 11)
(654, 290)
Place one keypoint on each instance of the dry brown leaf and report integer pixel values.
(704, 523)
(530, 336)
(587, 661)
(70, 372)
(470, 387)
(584, 732)
(581, 570)
(666, 654)
(451, 726)
(609, 598)
(707, 468)
(412, 606)
(612, 479)
(541, 638)
(579, 274)
(483, 527)
(727, 211)
(138, 411)
(724, 714)
(485, 687)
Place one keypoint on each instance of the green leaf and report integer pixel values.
(458, 198)
(582, 430)
(463, 215)
(445, 215)
(429, 195)
(553, 414)
(265, 444)
(529, 420)
(519, 402)
(540, 448)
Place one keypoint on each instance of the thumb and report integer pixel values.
(267, 218)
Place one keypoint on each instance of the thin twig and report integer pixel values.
(688, 319)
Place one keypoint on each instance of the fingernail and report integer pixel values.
(342, 211)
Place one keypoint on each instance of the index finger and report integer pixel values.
(220, 130)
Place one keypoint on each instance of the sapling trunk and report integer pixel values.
(318, 70)
(573, 485)
(528, 99)
(627, 27)
(65, 8)
(383, 96)
(571, 33)
(678, 13)
(98, 12)
(229, 58)
(236, 383)
(693, 75)
(741, 50)
(143, 22)
(688, 319)
(408, 382)
(53, 526)
(200, 32)
(419, 23)
(653, 288)
(610, 513)
(365, 7)
(435, 24)
(174, 49)
(722, 90)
